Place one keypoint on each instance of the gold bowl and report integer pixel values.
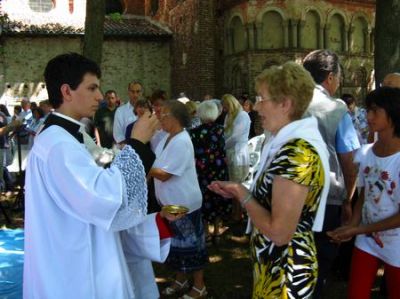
(175, 209)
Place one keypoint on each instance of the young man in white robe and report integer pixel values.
(86, 227)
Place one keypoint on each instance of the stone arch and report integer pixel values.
(232, 16)
(314, 10)
(267, 9)
(310, 34)
(238, 34)
(359, 35)
(336, 33)
(334, 12)
(364, 16)
(273, 31)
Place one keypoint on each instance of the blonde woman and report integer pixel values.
(236, 129)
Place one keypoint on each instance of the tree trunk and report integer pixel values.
(94, 30)
(387, 38)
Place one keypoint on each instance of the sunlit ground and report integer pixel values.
(228, 274)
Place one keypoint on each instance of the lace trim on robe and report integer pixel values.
(134, 186)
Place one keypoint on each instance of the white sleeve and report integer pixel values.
(143, 241)
(240, 130)
(118, 126)
(134, 201)
(81, 188)
(91, 193)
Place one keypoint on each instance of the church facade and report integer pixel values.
(227, 43)
(194, 46)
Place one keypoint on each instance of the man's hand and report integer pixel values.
(145, 127)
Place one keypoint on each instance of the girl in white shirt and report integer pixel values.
(376, 215)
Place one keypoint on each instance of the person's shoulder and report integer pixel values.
(122, 107)
(53, 137)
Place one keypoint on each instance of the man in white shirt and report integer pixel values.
(124, 114)
(87, 232)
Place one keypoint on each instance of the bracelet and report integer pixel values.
(246, 200)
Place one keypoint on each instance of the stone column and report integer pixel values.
(321, 39)
(250, 36)
(229, 40)
(300, 37)
(293, 25)
(345, 46)
(285, 25)
(367, 40)
(326, 39)
(372, 41)
(226, 41)
(350, 37)
(259, 35)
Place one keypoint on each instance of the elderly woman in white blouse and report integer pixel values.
(176, 183)
(237, 127)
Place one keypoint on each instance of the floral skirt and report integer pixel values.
(188, 246)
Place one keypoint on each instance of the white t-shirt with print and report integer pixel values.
(177, 158)
(380, 177)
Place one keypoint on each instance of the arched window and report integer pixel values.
(358, 37)
(336, 33)
(272, 28)
(311, 28)
(238, 35)
(42, 5)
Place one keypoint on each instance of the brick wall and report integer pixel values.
(134, 7)
(193, 50)
(23, 59)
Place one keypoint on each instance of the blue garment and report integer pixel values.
(346, 136)
(128, 130)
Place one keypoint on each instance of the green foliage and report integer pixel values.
(115, 16)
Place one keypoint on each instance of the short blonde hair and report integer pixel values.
(290, 80)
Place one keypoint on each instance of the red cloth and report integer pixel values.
(363, 274)
(163, 227)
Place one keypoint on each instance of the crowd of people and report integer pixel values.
(327, 172)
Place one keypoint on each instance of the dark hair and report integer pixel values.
(348, 99)
(4, 109)
(69, 68)
(320, 63)
(33, 105)
(136, 82)
(110, 91)
(387, 98)
(18, 108)
(39, 111)
(179, 111)
(143, 103)
(158, 94)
